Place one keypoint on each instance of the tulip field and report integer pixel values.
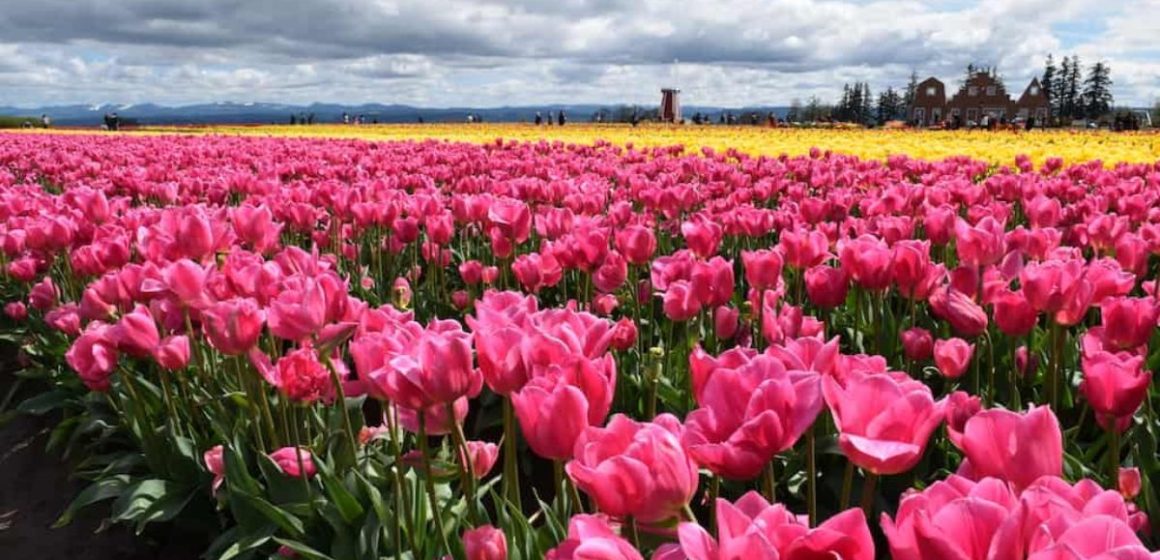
(897, 344)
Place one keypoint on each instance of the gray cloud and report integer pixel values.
(455, 52)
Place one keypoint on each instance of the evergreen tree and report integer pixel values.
(1097, 91)
(1047, 84)
(795, 111)
(890, 106)
(1060, 92)
(1073, 103)
(911, 92)
(866, 110)
(842, 112)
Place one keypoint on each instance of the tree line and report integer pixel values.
(1072, 94)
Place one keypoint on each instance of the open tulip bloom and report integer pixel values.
(422, 349)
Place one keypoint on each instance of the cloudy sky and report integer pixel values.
(440, 53)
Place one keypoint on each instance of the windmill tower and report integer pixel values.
(671, 105)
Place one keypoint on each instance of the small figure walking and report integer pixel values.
(561, 118)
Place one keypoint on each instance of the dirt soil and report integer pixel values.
(35, 489)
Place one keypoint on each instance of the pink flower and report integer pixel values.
(702, 235)
(483, 455)
(635, 469)
(884, 422)
(867, 260)
(173, 352)
(435, 368)
(681, 302)
(485, 543)
(1018, 448)
(754, 529)
(1115, 386)
(93, 356)
(1128, 481)
(827, 286)
(964, 315)
(44, 295)
(215, 464)
(917, 344)
(636, 243)
(952, 356)
(624, 334)
(960, 408)
(590, 537)
(1128, 322)
(294, 462)
(136, 333)
(979, 245)
(16, 310)
(953, 518)
(750, 413)
(233, 327)
(762, 268)
(1013, 313)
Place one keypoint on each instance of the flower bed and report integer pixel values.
(339, 349)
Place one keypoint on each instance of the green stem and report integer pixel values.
(769, 480)
(511, 483)
(868, 494)
(467, 468)
(429, 482)
(630, 528)
(1113, 454)
(811, 477)
(847, 486)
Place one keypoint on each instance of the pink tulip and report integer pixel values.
(485, 543)
(590, 537)
(725, 322)
(1018, 448)
(952, 356)
(979, 245)
(762, 269)
(712, 281)
(960, 408)
(804, 249)
(136, 333)
(1014, 315)
(964, 315)
(637, 244)
(1058, 288)
(93, 356)
(702, 236)
(749, 414)
(44, 295)
(439, 421)
(884, 422)
(681, 302)
(917, 344)
(173, 352)
(553, 415)
(1128, 322)
(294, 462)
(256, 227)
(16, 310)
(624, 334)
(867, 260)
(436, 368)
(754, 529)
(826, 286)
(299, 311)
(1115, 386)
(482, 454)
(216, 465)
(1128, 481)
(233, 327)
(635, 469)
(1026, 363)
(953, 518)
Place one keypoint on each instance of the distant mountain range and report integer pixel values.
(266, 113)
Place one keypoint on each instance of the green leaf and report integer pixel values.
(104, 489)
(346, 503)
(282, 518)
(44, 403)
(167, 507)
(139, 497)
(302, 549)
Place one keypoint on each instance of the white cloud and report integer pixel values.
(470, 52)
